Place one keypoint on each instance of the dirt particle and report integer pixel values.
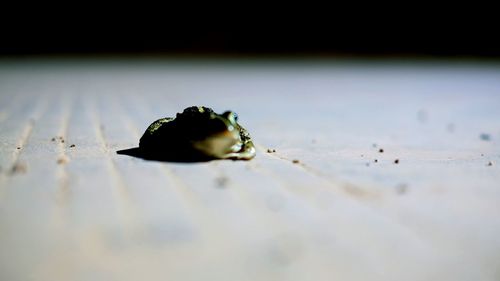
(422, 116)
(490, 163)
(221, 182)
(62, 160)
(18, 147)
(374, 145)
(482, 154)
(381, 150)
(295, 161)
(450, 128)
(53, 139)
(396, 161)
(62, 141)
(72, 146)
(376, 161)
(485, 137)
(269, 150)
(401, 188)
(358, 191)
(18, 168)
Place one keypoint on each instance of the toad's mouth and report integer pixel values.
(220, 144)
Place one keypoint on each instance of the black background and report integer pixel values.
(328, 31)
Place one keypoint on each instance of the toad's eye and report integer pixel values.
(231, 116)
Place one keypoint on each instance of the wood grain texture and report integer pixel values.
(87, 213)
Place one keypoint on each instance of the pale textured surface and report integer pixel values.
(101, 216)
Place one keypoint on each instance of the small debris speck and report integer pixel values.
(221, 182)
(422, 116)
(450, 128)
(376, 161)
(482, 154)
(62, 160)
(381, 150)
(401, 188)
(374, 145)
(490, 163)
(18, 147)
(271, 150)
(485, 137)
(53, 139)
(295, 161)
(72, 145)
(367, 164)
(18, 168)
(62, 141)
(396, 161)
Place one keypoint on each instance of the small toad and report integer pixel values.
(199, 132)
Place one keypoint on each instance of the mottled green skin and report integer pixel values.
(199, 131)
